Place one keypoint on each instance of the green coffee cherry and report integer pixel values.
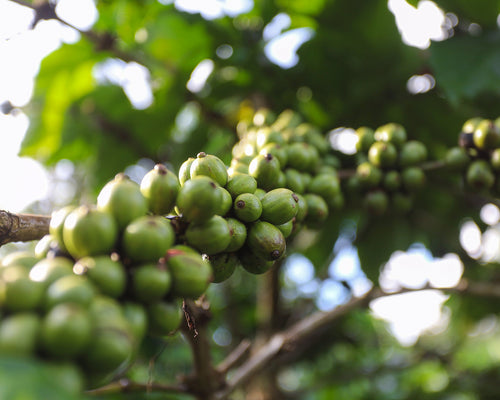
(412, 153)
(326, 186)
(383, 154)
(302, 156)
(199, 199)
(190, 274)
(286, 228)
(106, 273)
(252, 263)
(259, 193)
(286, 119)
(209, 237)
(376, 202)
(57, 223)
(150, 282)
(238, 233)
(480, 176)
(88, 231)
(266, 241)
(470, 125)
(223, 265)
(392, 180)
(279, 206)
(457, 158)
(365, 137)
(49, 270)
(312, 135)
(137, 319)
(111, 349)
(295, 180)
(241, 183)
(267, 135)
(209, 165)
(69, 289)
(281, 180)
(19, 334)
(486, 136)
(392, 133)
(413, 178)
(331, 161)
(147, 238)
(164, 317)
(237, 168)
(122, 198)
(18, 292)
(160, 187)
(65, 331)
(226, 202)
(277, 150)
(263, 117)
(247, 207)
(317, 210)
(368, 174)
(184, 170)
(495, 159)
(22, 258)
(301, 208)
(265, 169)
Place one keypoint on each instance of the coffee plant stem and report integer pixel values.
(22, 227)
(205, 378)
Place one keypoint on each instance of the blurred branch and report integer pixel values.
(286, 341)
(127, 386)
(22, 227)
(235, 357)
(103, 41)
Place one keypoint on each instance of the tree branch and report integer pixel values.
(126, 386)
(286, 341)
(22, 227)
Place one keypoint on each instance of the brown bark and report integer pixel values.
(22, 227)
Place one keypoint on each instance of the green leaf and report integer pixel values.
(178, 43)
(413, 3)
(309, 7)
(378, 238)
(467, 66)
(28, 379)
(65, 76)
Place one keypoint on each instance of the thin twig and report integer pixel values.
(235, 357)
(124, 385)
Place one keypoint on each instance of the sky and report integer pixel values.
(28, 181)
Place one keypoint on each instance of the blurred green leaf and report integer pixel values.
(27, 379)
(467, 66)
(413, 3)
(178, 51)
(308, 7)
(65, 77)
(482, 12)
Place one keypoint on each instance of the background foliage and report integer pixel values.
(352, 72)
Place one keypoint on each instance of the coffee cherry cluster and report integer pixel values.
(479, 154)
(388, 172)
(111, 273)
